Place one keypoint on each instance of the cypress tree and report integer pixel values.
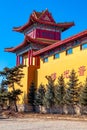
(60, 92)
(83, 95)
(72, 96)
(3, 96)
(39, 96)
(49, 98)
(31, 96)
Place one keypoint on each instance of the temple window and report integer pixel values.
(57, 55)
(21, 60)
(84, 46)
(45, 59)
(69, 51)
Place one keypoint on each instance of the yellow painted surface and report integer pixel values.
(66, 62)
(24, 83)
(29, 76)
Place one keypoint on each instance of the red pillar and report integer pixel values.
(18, 60)
(30, 57)
(31, 54)
(37, 61)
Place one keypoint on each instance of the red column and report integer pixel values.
(18, 60)
(30, 57)
(37, 61)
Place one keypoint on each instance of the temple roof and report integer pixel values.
(43, 17)
(62, 42)
(28, 40)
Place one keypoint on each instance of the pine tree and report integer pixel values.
(60, 92)
(12, 76)
(3, 96)
(83, 95)
(13, 96)
(49, 98)
(31, 96)
(72, 96)
(39, 97)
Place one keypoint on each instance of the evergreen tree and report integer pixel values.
(60, 91)
(83, 95)
(72, 96)
(49, 98)
(3, 96)
(12, 76)
(31, 96)
(39, 97)
(13, 96)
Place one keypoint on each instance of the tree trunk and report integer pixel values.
(15, 104)
(16, 108)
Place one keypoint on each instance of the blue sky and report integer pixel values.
(16, 13)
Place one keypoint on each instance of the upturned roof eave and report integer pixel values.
(24, 43)
(33, 20)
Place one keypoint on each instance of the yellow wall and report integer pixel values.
(29, 76)
(66, 62)
(24, 82)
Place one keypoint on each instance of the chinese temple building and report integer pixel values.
(45, 53)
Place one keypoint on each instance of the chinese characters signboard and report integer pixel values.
(81, 72)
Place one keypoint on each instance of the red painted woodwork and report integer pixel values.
(37, 61)
(62, 42)
(41, 19)
(47, 34)
(39, 33)
(26, 42)
(46, 16)
(18, 60)
(32, 34)
(30, 57)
